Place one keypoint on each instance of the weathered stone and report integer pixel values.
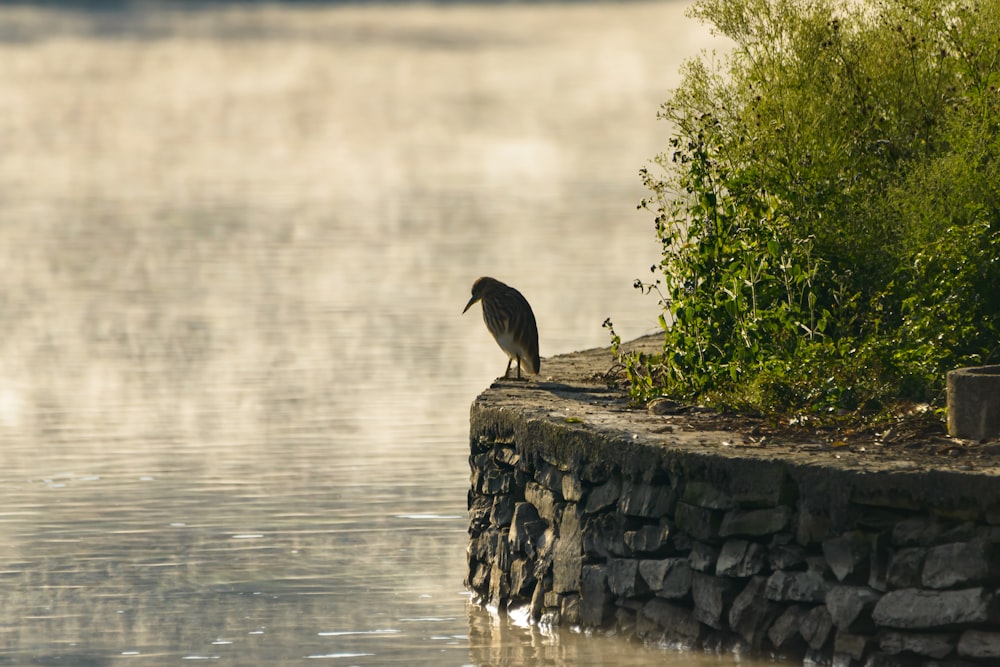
(878, 563)
(545, 501)
(623, 578)
(595, 596)
(704, 494)
(884, 660)
(915, 608)
(816, 626)
(502, 511)
(712, 596)
(572, 488)
(699, 522)
(931, 645)
(960, 564)
(979, 644)
(550, 477)
(740, 558)
(786, 556)
(850, 645)
(755, 523)
(807, 586)
(703, 557)
(604, 496)
(812, 526)
(784, 632)
(567, 560)
(506, 456)
(604, 536)
(905, 567)
(751, 614)
(681, 628)
(493, 481)
(479, 513)
(847, 556)
(648, 539)
(919, 531)
(650, 501)
(569, 609)
(525, 526)
(669, 578)
(846, 604)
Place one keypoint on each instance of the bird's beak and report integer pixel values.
(469, 305)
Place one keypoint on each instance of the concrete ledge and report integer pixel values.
(600, 516)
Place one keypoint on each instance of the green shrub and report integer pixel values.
(829, 207)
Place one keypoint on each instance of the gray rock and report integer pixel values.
(979, 644)
(784, 632)
(700, 523)
(912, 608)
(847, 555)
(646, 500)
(623, 578)
(681, 628)
(931, 645)
(712, 596)
(846, 604)
(572, 488)
(669, 578)
(595, 596)
(550, 477)
(740, 558)
(704, 494)
(755, 523)
(648, 539)
(522, 578)
(807, 586)
(604, 536)
(545, 501)
(569, 609)
(603, 496)
(812, 526)
(567, 562)
(816, 627)
(919, 531)
(849, 645)
(502, 511)
(786, 556)
(905, 567)
(525, 527)
(751, 613)
(960, 564)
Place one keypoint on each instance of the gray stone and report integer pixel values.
(931, 645)
(681, 628)
(740, 558)
(960, 564)
(572, 488)
(786, 556)
(878, 563)
(669, 578)
(918, 531)
(506, 456)
(704, 494)
(850, 645)
(812, 526)
(913, 608)
(567, 560)
(755, 523)
(979, 644)
(816, 626)
(807, 586)
(569, 609)
(595, 596)
(502, 511)
(646, 500)
(703, 557)
(545, 501)
(525, 526)
(550, 477)
(648, 539)
(847, 555)
(604, 536)
(603, 496)
(623, 578)
(784, 632)
(712, 596)
(905, 567)
(751, 613)
(846, 604)
(699, 522)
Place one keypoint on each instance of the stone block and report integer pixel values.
(740, 558)
(751, 613)
(623, 578)
(572, 488)
(849, 645)
(699, 522)
(506, 456)
(648, 539)
(755, 523)
(550, 477)
(602, 497)
(848, 556)
(917, 531)
(906, 567)
(878, 563)
(812, 526)
(707, 495)
(595, 596)
(545, 501)
(680, 626)
(816, 627)
(979, 644)
(913, 608)
(502, 511)
(786, 556)
(525, 526)
(807, 586)
(668, 578)
(479, 513)
(712, 597)
(567, 562)
(960, 564)
(650, 501)
(522, 578)
(784, 632)
(604, 536)
(847, 604)
(703, 557)
(932, 645)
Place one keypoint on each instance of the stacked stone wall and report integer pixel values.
(701, 551)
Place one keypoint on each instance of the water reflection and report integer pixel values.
(235, 245)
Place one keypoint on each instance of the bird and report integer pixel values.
(509, 319)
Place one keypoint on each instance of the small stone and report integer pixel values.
(931, 645)
(522, 577)
(816, 626)
(913, 608)
(648, 539)
(525, 526)
(979, 644)
(847, 555)
(807, 586)
(712, 595)
(623, 578)
(740, 558)
(755, 523)
(595, 596)
(567, 561)
(604, 536)
(786, 556)
(544, 500)
(850, 645)
(919, 531)
(905, 567)
(569, 609)
(751, 614)
(650, 501)
(960, 564)
(681, 628)
(669, 578)
(550, 477)
(846, 603)
(812, 527)
(502, 511)
(572, 488)
(700, 523)
(785, 629)
(603, 496)
(703, 557)
(704, 494)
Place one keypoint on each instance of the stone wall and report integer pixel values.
(599, 517)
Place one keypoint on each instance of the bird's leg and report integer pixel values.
(507, 372)
(519, 368)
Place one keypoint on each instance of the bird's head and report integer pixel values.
(479, 289)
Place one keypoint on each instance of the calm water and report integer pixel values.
(234, 380)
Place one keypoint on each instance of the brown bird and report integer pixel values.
(509, 318)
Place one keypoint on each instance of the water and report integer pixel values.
(235, 243)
